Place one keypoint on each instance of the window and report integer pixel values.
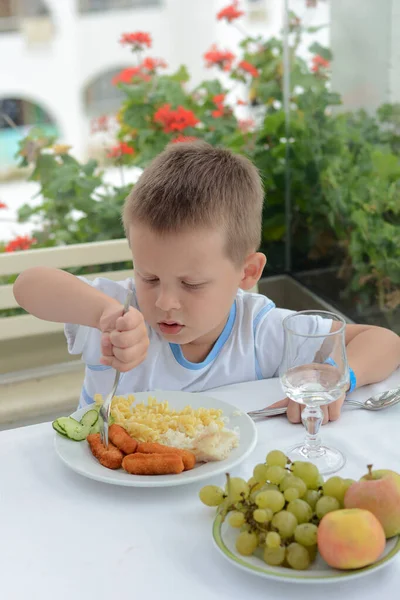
(89, 6)
(101, 96)
(11, 12)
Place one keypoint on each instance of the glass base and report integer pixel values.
(327, 460)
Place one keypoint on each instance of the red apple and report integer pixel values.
(378, 492)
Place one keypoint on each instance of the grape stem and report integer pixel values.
(369, 474)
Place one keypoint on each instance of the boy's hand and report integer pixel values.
(331, 411)
(124, 342)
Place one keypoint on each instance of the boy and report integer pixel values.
(193, 222)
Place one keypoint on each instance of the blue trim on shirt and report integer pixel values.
(88, 399)
(98, 367)
(352, 375)
(177, 351)
(256, 321)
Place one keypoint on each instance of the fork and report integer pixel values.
(377, 402)
(106, 406)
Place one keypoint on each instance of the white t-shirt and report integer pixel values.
(249, 348)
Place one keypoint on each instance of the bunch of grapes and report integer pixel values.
(278, 510)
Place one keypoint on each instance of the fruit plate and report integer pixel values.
(77, 455)
(319, 572)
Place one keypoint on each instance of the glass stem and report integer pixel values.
(312, 419)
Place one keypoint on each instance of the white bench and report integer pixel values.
(38, 378)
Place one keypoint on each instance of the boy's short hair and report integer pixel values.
(194, 185)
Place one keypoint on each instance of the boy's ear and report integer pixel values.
(252, 270)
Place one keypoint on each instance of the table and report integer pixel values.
(63, 536)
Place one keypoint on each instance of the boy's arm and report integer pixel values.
(55, 295)
(372, 352)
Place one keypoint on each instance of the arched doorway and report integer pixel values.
(17, 117)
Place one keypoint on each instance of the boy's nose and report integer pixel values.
(167, 301)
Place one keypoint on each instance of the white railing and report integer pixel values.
(62, 257)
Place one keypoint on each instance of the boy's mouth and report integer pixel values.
(170, 327)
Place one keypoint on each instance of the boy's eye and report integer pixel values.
(154, 280)
(193, 286)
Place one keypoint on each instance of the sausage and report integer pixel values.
(121, 438)
(110, 457)
(152, 464)
(189, 459)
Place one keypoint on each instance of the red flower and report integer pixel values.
(99, 124)
(175, 120)
(219, 99)
(22, 242)
(220, 58)
(121, 149)
(184, 138)
(2, 205)
(128, 74)
(230, 12)
(218, 113)
(249, 68)
(138, 40)
(246, 125)
(241, 102)
(151, 64)
(319, 63)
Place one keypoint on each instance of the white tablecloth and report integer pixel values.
(63, 536)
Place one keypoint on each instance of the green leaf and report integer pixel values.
(316, 48)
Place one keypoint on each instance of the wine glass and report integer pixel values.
(314, 372)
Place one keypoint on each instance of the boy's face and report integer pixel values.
(185, 283)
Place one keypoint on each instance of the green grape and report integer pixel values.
(274, 556)
(291, 494)
(285, 522)
(297, 556)
(260, 473)
(325, 505)
(273, 539)
(262, 516)
(262, 487)
(306, 534)
(276, 458)
(270, 499)
(311, 498)
(252, 482)
(246, 543)
(211, 495)
(335, 487)
(347, 484)
(301, 510)
(236, 519)
(291, 481)
(307, 472)
(275, 474)
(238, 489)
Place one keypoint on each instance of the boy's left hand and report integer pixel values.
(331, 411)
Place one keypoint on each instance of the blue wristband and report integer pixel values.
(353, 378)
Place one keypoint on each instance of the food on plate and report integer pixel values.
(350, 538)
(78, 431)
(203, 431)
(188, 458)
(378, 492)
(110, 457)
(286, 513)
(153, 464)
(121, 439)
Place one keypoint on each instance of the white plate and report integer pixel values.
(319, 572)
(78, 457)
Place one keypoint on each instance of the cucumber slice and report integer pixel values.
(96, 427)
(90, 418)
(73, 429)
(58, 428)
